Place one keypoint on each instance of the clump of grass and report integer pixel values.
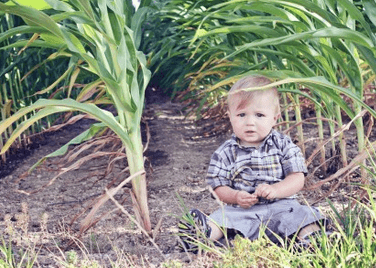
(340, 249)
(9, 258)
(352, 244)
(260, 253)
(73, 260)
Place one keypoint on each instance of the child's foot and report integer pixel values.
(193, 229)
(306, 241)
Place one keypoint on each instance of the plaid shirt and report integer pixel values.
(243, 168)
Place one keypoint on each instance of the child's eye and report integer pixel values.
(241, 114)
(260, 115)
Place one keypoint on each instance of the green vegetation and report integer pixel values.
(101, 38)
(322, 47)
(8, 260)
(320, 53)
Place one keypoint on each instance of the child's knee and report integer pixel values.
(216, 232)
(310, 228)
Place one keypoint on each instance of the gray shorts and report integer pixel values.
(283, 217)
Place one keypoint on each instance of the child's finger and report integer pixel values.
(250, 199)
(260, 188)
(260, 192)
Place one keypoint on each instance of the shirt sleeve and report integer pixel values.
(292, 160)
(219, 169)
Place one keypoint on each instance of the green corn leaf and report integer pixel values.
(21, 30)
(105, 23)
(84, 136)
(276, 21)
(300, 64)
(331, 32)
(71, 105)
(132, 58)
(37, 4)
(78, 17)
(29, 122)
(84, 5)
(34, 17)
(72, 80)
(52, 40)
(312, 9)
(88, 90)
(122, 57)
(305, 95)
(136, 24)
(370, 10)
(369, 56)
(144, 3)
(355, 13)
(321, 84)
(54, 84)
(275, 11)
(116, 27)
(260, 30)
(74, 43)
(353, 77)
(59, 5)
(307, 6)
(36, 43)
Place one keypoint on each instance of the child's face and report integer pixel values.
(253, 122)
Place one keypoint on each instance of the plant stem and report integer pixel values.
(286, 110)
(136, 163)
(321, 137)
(342, 141)
(298, 117)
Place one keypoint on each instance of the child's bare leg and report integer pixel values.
(313, 227)
(216, 232)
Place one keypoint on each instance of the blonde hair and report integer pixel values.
(241, 98)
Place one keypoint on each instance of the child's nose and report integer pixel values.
(250, 120)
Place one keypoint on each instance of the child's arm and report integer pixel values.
(292, 184)
(230, 196)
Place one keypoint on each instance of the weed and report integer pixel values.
(172, 264)
(11, 259)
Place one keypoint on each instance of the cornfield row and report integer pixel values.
(23, 74)
(320, 53)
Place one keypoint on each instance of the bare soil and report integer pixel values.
(176, 163)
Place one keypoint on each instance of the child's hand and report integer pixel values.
(266, 191)
(245, 199)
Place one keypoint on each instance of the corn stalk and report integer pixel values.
(104, 35)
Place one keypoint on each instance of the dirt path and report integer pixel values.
(176, 163)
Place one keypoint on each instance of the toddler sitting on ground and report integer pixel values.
(256, 173)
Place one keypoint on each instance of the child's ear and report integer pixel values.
(277, 116)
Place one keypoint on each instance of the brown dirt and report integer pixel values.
(177, 160)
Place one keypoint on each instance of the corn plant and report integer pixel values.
(329, 45)
(101, 37)
(13, 91)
